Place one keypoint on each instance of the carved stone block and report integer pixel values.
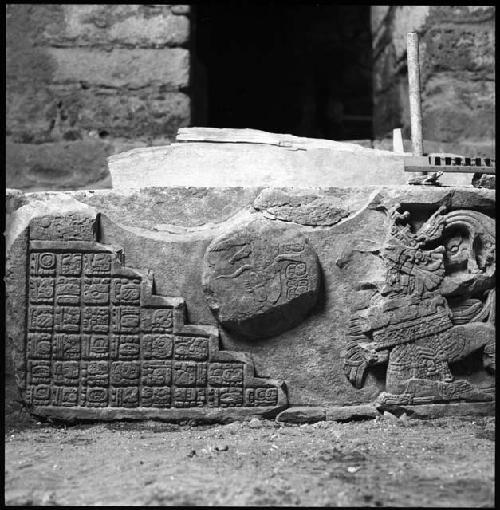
(225, 374)
(157, 346)
(41, 290)
(68, 291)
(95, 347)
(67, 346)
(43, 264)
(98, 338)
(96, 319)
(401, 307)
(157, 321)
(190, 374)
(39, 345)
(70, 264)
(191, 348)
(40, 318)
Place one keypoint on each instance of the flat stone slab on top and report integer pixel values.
(249, 157)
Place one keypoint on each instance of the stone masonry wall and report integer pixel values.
(457, 61)
(86, 81)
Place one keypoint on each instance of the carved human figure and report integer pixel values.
(436, 308)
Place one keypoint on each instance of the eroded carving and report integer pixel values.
(98, 338)
(436, 307)
(260, 280)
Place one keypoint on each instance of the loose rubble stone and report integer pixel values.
(255, 423)
(484, 181)
(299, 415)
(348, 413)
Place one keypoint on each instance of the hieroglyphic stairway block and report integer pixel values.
(98, 338)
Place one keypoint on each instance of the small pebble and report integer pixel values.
(255, 423)
(223, 448)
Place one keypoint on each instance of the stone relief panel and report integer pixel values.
(98, 338)
(435, 308)
(260, 280)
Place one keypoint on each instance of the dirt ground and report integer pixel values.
(384, 462)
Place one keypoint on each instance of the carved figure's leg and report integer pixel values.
(419, 372)
(419, 361)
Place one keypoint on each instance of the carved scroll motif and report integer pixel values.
(98, 338)
(435, 308)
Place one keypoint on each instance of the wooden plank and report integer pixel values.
(450, 163)
(489, 170)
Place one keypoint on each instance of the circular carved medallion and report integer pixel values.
(261, 279)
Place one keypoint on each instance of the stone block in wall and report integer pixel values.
(64, 165)
(461, 13)
(457, 57)
(456, 108)
(479, 149)
(462, 48)
(120, 26)
(71, 113)
(122, 68)
(180, 9)
(30, 113)
(132, 116)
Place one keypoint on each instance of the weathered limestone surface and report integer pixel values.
(133, 69)
(63, 165)
(167, 231)
(457, 60)
(86, 81)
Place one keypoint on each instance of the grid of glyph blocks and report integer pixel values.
(91, 344)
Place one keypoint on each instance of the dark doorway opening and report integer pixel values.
(298, 69)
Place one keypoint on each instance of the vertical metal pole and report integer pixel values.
(414, 93)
